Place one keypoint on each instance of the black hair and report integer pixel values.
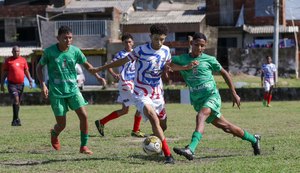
(160, 29)
(64, 30)
(199, 35)
(126, 36)
(268, 57)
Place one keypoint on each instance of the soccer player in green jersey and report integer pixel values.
(64, 93)
(205, 97)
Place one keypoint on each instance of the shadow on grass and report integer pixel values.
(42, 162)
(156, 158)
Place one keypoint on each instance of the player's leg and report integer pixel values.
(150, 113)
(84, 135)
(113, 115)
(163, 124)
(228, 127)
(78, 103)
(15, 93)
(270, 96)
(189, 150)
(136, 132)
(266, 93)
(59, 109)
(57, 129)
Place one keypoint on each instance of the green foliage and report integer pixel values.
(27, 148)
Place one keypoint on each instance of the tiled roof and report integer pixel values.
(90, 6)
(151, 17)
(269, 29)
(24, 51)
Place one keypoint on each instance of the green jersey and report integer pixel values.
(200, 79)
(61, 70)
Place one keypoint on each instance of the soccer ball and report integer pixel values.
(152, 145)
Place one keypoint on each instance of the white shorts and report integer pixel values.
(126, 95)
(157, 104)
(268, 83)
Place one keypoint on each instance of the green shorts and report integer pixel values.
(213, 102)
(60, 105)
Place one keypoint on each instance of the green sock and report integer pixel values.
(196, 137)
(249, 137)
(84, 138)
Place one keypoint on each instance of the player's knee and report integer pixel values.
(125, 111)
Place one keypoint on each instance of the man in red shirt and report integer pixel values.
(15, 68)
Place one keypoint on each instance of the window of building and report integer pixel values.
(85, 27)
(264, 8)
(2, 33)
(183, 36)
(27, 34)
(226, 12)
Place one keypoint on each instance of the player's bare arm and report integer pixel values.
(44, 89)
(175, 67)
(28, 77)
(262, 78)
(116, 76)
(110, 65)
(89, 68)
(235, 97)
(3, 76)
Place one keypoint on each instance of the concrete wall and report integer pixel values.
(49, 37)
(171, 96)
(249, 61)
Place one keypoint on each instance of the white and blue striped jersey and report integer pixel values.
(126, 71)
(149, 65)
(268, 70)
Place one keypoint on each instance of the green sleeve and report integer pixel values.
(216, 66)
(176, 60)
(80, 57)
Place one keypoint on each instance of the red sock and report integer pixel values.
(266, 96)
(109, 117)
(166, 148)
(269, 98)
(137, 122)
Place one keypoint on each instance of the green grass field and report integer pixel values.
(27, 148)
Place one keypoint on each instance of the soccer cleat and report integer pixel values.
(186, 152)
(256, 145)
(19, 122)
(16, 122)
(85, 150)
(100, 127)
(268, 105)
(169, 160)
(138, 134)
(54, 140)
(264, 103)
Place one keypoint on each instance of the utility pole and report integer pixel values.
(276, 36)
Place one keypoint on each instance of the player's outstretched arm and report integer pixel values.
(110, 65)
(175, 67)
(236, 99)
